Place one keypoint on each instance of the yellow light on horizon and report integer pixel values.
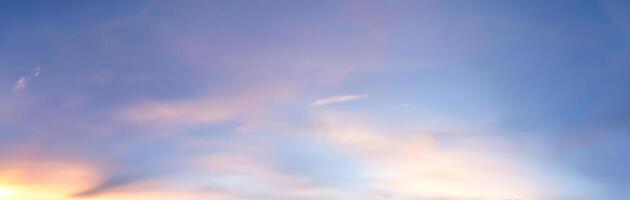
(6, 194)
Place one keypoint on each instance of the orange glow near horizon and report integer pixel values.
(50, 180)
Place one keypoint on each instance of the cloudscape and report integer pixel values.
(315, 100)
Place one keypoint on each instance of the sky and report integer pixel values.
(314, 100)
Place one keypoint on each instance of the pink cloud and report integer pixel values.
(206, 109)
(336, 99)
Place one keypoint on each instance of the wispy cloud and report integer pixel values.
(204, 110)
(336, 99)
(22, 82)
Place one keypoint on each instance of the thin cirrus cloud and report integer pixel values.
(337, 99)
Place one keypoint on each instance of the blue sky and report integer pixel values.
(313, 100)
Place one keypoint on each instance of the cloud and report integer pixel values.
(252, 177)
(22, 83)
(110, 183)
(336, 99)
(195, 111)
(36, 72)
(423, 165)
(206, 109)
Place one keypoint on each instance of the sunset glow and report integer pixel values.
(6, 193)
(315, 100)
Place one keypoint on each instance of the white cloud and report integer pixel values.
(36, 71)
(336, 99)
(22, 83)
